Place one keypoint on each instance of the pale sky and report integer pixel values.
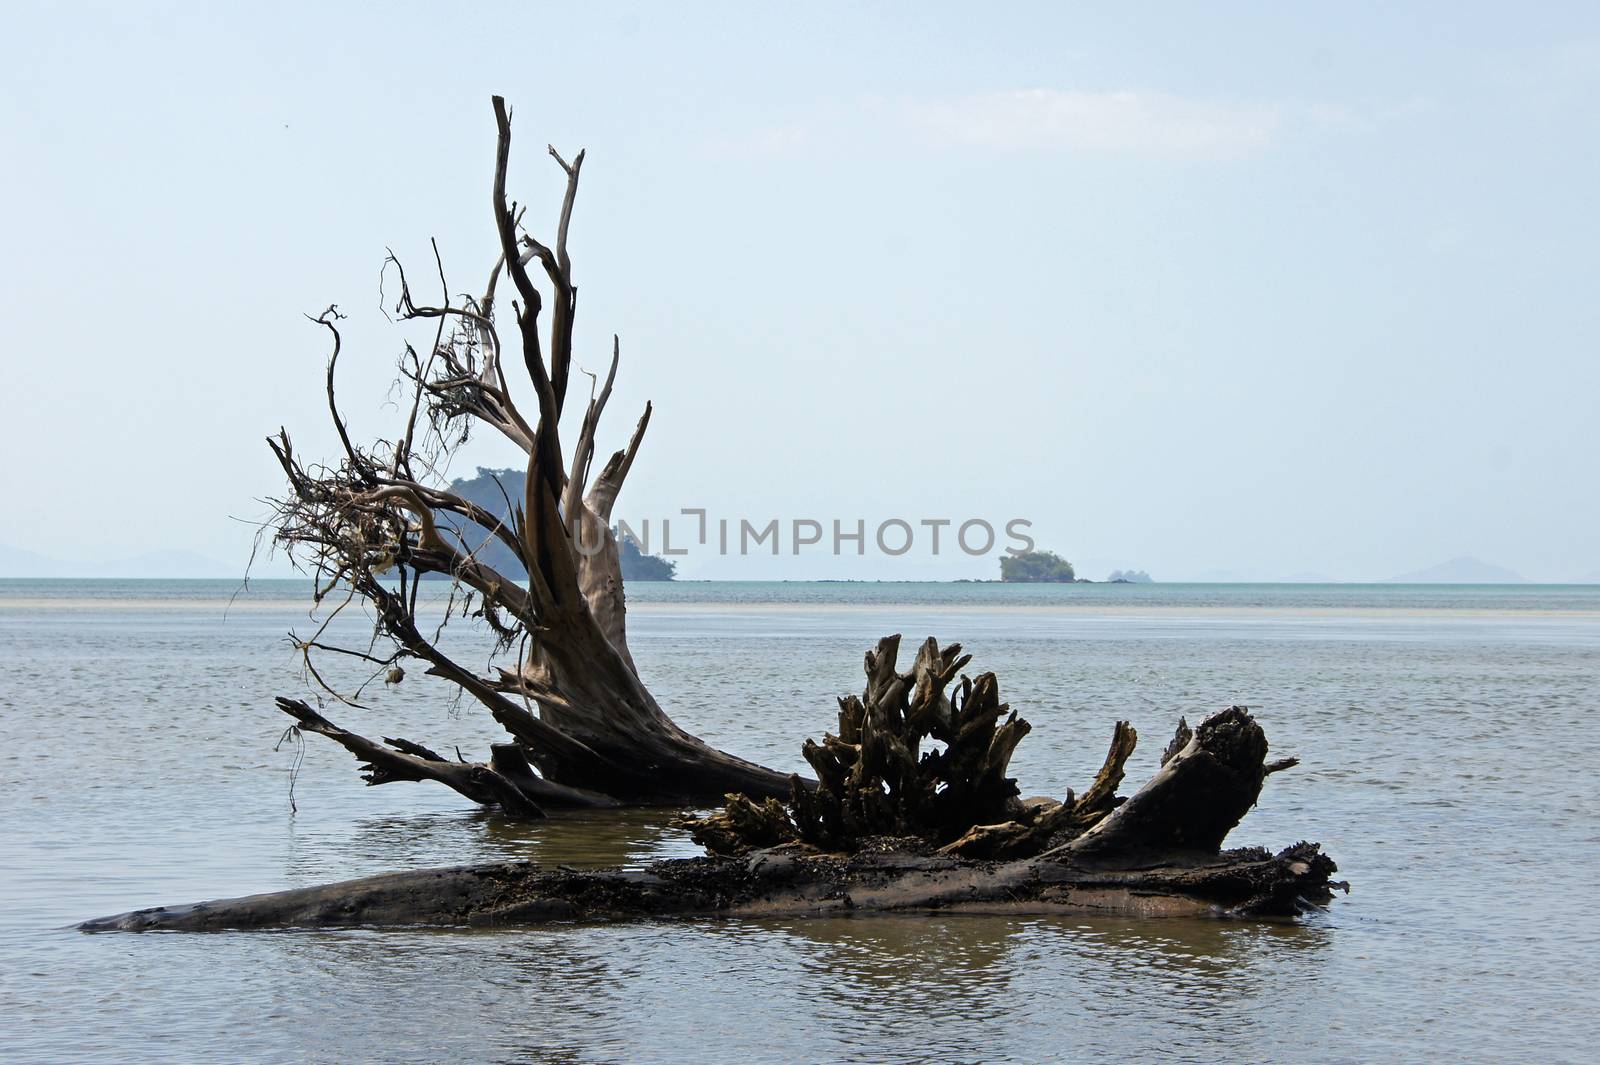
(1202, 289)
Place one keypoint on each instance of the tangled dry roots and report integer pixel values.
(876, 783)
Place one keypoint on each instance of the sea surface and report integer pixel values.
(1447, 738)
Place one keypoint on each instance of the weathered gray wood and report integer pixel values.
(373, 524)
(768, 883)
(1157, 854)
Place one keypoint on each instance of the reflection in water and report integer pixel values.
(933, 963)
(591, 838)
(582, 838)
(923, 986)
(889, 987)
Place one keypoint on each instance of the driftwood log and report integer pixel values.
(582, 728)
(912, 807)
(893, 823)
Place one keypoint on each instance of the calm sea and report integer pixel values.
(1447, 737)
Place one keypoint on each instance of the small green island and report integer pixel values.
(1036, 567)
(1047, 567)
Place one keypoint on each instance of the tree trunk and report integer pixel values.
(1251, 883)
(583, 728)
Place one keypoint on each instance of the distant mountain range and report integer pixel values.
(1463, 570)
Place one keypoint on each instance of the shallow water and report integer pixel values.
(1445, 737)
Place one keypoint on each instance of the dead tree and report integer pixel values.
(894, 823)
(912, 808)
(372, 525)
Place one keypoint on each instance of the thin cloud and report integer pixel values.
(1150, 124)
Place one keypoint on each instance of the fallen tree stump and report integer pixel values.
(888, 827)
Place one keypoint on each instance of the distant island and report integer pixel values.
(1036, 567)
(638, 566)
(491, 489)
(1047, 567)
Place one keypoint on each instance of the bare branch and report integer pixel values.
(603, 496)
(583, 452)
(401, 761)
(326, 320)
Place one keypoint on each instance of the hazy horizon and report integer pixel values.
(1242, 291)
(16, 564)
